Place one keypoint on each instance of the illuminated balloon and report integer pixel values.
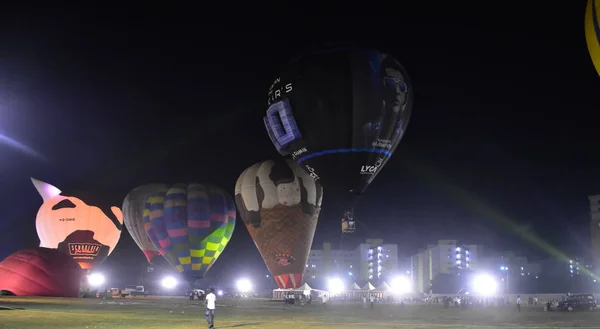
(133, 216)
(280, 204)
(40, 272)
(340, 113)
(85, 232)
(592, 31)
(190, 225)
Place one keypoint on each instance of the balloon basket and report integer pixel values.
(348, 225)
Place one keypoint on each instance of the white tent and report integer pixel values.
(354, 286)
(304, 289)
(384, 287)
(368, 287)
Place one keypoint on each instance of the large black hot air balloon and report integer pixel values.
(340, 113)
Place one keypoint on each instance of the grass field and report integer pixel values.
(176, 313)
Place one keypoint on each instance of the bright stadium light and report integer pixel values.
(485, 285)
(401, 285)
(335, 285)
(220, 293)
(169, 282)
(244, 285)
(96, 279)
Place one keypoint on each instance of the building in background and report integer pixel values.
(595, 230)
(512, 270)
(447, 257)
(376, 260)
(566, 268)
(370, 261)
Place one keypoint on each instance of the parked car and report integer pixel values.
(133, 291)
(577, 302)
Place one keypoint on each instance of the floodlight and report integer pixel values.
(485, 285)
(401, 285)
(169, 282)
(335, 285)
(244, 285)
(96, 279)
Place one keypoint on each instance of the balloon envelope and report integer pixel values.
(85, 232)
(190, 225)
(40, 272)
(279, 204)
(340, 113)
(592, 31)
(133, 216)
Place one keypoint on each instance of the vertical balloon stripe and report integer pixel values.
(134, 214)
(176, 221)
(157, 217)
(200, 210)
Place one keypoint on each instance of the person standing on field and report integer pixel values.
(211, 301)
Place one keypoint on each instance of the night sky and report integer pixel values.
(505, 110)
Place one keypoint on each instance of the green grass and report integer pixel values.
(176, 313)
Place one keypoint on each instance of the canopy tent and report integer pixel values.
(384, 291)
(354, 286)
(384, 287)
(304, 289)
(368, 287)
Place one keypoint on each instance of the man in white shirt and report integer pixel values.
(519, 303)
(211, 300)
(325, 298)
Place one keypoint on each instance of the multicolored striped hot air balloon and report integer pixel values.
(592, 31)
(190, 225)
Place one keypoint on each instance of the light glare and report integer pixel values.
(96, 279)
(244, 285)
(169, 282)
(401, 285)
(485, 285)
(335, 285)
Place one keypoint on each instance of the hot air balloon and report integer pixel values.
(279, 203)
(340, 113)
(592, 31)
(85, 232)
(133, 216)
(190, 225)
(40, 272)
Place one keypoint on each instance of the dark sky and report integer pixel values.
(505, 108)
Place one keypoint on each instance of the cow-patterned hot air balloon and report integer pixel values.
(190, 225)
(133, 216)
(280, 203)
(86, 232)
(340, 113)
